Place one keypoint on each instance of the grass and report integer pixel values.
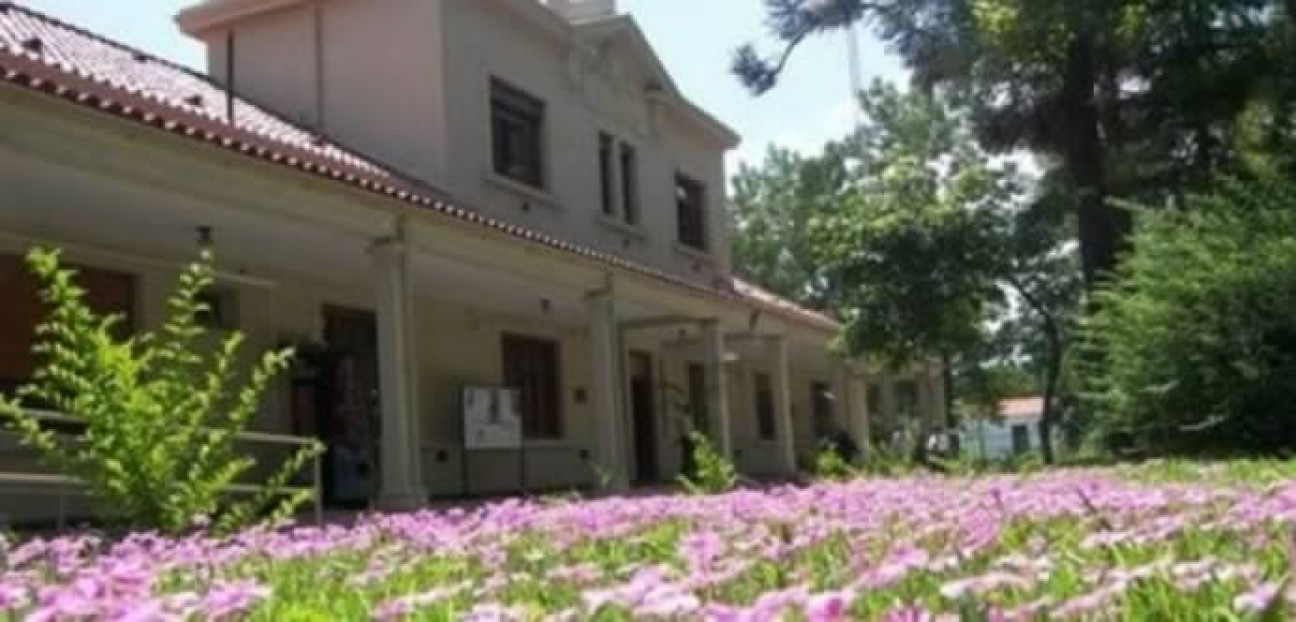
(1162, 540)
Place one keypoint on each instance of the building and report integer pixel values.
(1013, 433)
(426, 195)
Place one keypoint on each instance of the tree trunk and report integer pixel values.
(951, 421)
(1054, 370)
(1102, 229)
(1053, 366)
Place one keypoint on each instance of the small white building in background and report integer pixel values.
(1015, 432)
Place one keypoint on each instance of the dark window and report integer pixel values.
(907, 398)
(531, 367)
(629, 184)
(874, 400)
(697, 396)
(1020, 439)
(606, 178)
(222, 311)
(21, 310)
(517, 128)
(821, 404)
(690, 212)
(766, 424)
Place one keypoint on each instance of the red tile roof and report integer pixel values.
(47, 55)
(1022, 408)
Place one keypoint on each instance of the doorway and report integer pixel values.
(349, 414)
(643, 412)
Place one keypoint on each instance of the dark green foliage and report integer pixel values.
(1193, 345)
(1128, 100)
(915, 243)
(773, 206)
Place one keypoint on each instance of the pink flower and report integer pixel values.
(229, 599)
(829, 606)
(1258, 599)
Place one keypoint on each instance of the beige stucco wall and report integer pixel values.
(409, 84)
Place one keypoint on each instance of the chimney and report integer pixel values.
(583, 10)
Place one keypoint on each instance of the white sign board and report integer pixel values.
(491, 419)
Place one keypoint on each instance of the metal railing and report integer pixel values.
(63, 484)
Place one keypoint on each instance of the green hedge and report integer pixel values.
(1192, 346)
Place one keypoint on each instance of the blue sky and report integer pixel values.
(695, 39)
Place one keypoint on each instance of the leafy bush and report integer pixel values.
(712, 472)
(160, 414)
(1192, 347)
(830, 465)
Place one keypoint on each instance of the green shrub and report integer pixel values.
(879, 460)
(1192, 347)
(712, 472)
(830, 465)
(160, 413)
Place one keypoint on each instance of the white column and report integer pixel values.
(605, 397)
(786, 431)
(855, 388)
(400, 483)
(717, 388)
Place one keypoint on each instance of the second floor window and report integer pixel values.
(690, 212)
(766, 418)
(607, 174)
(619, 179)
(629, 185)
(517, 134)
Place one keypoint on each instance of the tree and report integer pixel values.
(1039, 269)
(1132, 99)
(1195, 342)
(914, 246)
(161, 416)
(773, 206)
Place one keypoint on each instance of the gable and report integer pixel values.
(617, 48)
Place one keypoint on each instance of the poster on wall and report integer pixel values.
(491, 419)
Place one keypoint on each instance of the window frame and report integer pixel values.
(511, 108)
(691, 218)
(628, 182)
(607, 173)
(547, 423)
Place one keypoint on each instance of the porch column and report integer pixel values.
(401, 486)
(717, 388)
(786, 431)
(605, 396)
(855, 386)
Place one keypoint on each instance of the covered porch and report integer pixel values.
(395, 309)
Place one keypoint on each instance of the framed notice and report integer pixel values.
(491, 419)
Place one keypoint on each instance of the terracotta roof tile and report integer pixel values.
(44, 54)
(1021, 408)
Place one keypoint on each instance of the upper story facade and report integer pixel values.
(555, 115)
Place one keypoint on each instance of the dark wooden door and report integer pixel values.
(643, 411)
(350, 418)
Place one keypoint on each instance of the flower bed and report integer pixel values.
(1067, 544)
